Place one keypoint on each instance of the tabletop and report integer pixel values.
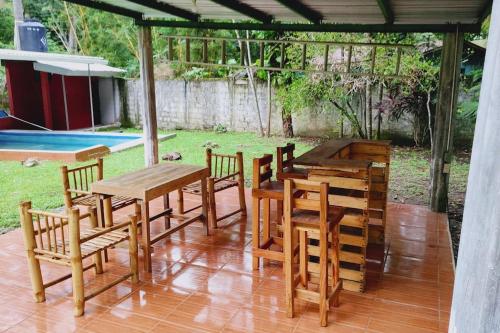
(324, 155)
(151, 182)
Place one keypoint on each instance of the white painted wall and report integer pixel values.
(476, 294)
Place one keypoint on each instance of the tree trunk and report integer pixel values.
(379, 112)
(369, 110)
(18, 11)
(287, 124)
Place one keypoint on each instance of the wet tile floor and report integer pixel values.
(206, 284)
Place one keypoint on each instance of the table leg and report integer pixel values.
(108, 212)
(166, 205)
(204, 204)
(100, 211)
(146, 236)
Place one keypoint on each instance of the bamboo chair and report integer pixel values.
(313, 218)
(226, 171)
(46, 239)
(284, 161)
(76, 186)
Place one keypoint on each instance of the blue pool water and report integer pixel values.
(60, 141)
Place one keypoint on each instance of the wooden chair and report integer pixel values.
(313, 218)
(285, 168)
(76, 186)
(265, 189)
(226, 171)
(47, 239)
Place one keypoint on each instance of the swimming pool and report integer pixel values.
(61, 145)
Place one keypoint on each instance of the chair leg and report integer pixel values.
(133, 250)
(266, 223)
(279, 211)
(78, 294)
(241, 193)
(30, 245)
(288, 266)
(211, 202)
(323, 278)
(36, 278)
(303, 258)
(180, 201)
(138, 215)
(255, 230)
(98, 262)
(335, 263)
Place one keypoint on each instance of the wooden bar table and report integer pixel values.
(151, 183)
(357, 171)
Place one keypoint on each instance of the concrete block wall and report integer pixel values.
(207, 103)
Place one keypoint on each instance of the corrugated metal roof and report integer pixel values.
(8, 54)
(76, 69)
(333, 11)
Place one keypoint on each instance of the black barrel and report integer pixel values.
(32, 35)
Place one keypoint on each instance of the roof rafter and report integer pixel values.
(485, 11)
(386, 9)
(303, 10)
(108, 8)
(324, 27)
(245, 9)
(168, 9)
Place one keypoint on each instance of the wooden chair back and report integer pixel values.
(284, 157)
(316, 200)
(262, 171)
(225, 167)
(51, 233)
(76, 181)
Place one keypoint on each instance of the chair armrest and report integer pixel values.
(79, 191)
(104, 231)
(216, 180)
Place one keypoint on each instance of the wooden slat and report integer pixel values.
(341, 182)
(352, 240)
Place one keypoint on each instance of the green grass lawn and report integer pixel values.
(42, 184)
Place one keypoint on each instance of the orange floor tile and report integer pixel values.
(206, 284)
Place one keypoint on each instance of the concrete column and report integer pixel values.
(476, 294)
(148, 94)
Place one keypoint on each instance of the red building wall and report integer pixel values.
(25, 98)
(38, 98)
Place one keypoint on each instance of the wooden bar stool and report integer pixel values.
(265, 189)
(313, 218)
(284, 161)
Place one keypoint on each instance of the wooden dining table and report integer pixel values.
(150, 183)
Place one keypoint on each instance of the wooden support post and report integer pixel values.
(149, 102)
(476, 293)
(443, 125)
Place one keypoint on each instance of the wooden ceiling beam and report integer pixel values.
(324, 27)
(167, 9)
(386, 9)
(246, 10)
(108, 8)
(303, 10)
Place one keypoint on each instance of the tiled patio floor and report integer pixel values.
(206, 284)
